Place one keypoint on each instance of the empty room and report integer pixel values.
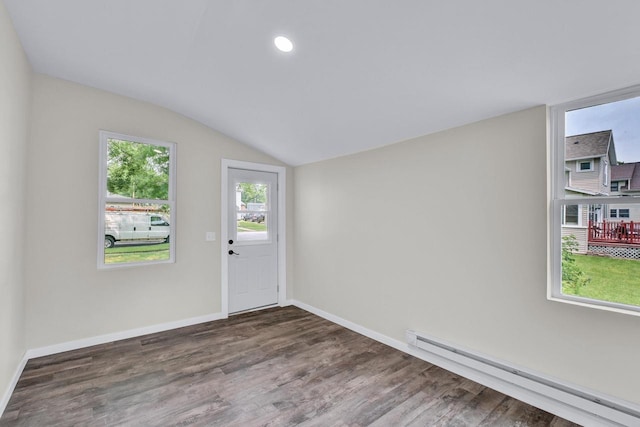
(319, 213)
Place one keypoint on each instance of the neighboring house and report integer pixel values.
(625, 181)
(591, 168)
(588, 160)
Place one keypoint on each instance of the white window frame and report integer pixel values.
(564, 217)
(617, 186)
(558, 199)
(103, 198)
(591, 168)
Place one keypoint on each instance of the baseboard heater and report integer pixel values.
(571, 402)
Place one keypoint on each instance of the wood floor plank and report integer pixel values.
(277, 367)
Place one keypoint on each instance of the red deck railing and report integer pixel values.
(615, 232)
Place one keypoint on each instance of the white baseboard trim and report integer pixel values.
(12, 385)
(563, 404)
(116, 336)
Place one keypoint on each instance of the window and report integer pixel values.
(602, 128)
(619, 213)
(252, 210)
(571, 215)
(136, 201)
(584, 166)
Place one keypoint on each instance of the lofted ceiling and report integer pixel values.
(363, 73)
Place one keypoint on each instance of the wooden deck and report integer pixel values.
(615, 232)
(278, 367)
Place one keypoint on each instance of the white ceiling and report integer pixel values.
(364, 73)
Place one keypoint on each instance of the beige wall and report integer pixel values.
(68, 298)
(361, 254)
(15, 98)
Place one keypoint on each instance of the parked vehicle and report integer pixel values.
(132, 227)
(253, 217)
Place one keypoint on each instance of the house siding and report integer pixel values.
(580, 233)
(604, 185)
(589, 181)
(634, 212)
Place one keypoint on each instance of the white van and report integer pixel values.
(131, 227)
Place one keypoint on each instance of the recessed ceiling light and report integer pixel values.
(283, 44)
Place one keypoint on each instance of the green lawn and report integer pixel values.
(251, 226)
(123, 254)
(612, 279)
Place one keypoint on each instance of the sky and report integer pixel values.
(623, 117)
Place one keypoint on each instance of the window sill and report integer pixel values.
(596, 304)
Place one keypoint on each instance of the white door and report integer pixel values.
(253, 239)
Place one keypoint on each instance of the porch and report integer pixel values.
(614, 232)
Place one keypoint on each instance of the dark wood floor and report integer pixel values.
(275, 367)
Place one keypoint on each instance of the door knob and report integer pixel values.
(233, 253)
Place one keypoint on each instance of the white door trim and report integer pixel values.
(281, 171)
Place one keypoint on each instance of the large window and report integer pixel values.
(595, 234)
(136, 223)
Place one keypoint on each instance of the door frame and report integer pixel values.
(281, 172)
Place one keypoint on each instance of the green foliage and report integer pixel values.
(125, 254)
(612, 279)
(251, 226)
(253, 193)
(573, 279)
(136, 170)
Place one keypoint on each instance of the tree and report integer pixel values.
(572, 277)
(253, 193)
(137, 170)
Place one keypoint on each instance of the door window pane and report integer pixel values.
(252, 208)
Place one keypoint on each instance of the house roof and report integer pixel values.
(587, 145)
(634, 185)
(581, 191)
(622, 172)
(627, 171)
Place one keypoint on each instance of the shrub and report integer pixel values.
(573, 279)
